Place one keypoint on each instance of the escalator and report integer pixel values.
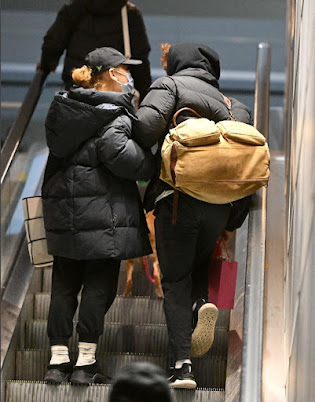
(134, 327)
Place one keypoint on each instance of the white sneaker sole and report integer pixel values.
(187, 384)
(203, 335)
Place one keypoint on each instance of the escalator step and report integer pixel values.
(209, 370)
(127, 310)
(36, 284)
(47, 274)
(18, 391)
(27, 312)
(132, 338)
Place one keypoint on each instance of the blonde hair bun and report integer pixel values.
(82, 76)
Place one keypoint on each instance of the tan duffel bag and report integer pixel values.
(217, 163)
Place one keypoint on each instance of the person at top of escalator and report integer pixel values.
(184, 248)
(84, 25)
(93, 213)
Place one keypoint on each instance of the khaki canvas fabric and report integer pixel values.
(216, 163)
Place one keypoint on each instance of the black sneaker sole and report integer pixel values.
(203, 335)
(57, 378)
(79, 377)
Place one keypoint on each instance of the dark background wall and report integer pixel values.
(232, 27)
(257, 9)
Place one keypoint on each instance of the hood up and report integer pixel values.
(105, 7)
(80, 114)
(191, 55)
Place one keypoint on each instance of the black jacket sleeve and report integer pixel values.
(155, 113)
(58, 35)
(239, 211)
(140, 49)
(123, 156)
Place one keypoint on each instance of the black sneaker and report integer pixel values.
(182, 378)
(203, 334)
(58, 373)
(88, 374)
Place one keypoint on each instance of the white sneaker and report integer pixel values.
(203, 335)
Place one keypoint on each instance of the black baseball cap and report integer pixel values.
(103, 58)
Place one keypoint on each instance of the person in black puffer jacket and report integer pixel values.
(84, 25)
(184, 249)
(93, 213)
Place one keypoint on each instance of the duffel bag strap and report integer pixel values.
(173, 162)
(183, 109)
(229, 106)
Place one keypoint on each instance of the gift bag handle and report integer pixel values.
(219, 243)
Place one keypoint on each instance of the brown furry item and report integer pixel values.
(153, 257)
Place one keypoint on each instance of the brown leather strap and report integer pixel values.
(229, 106)
(173, 161)
(175, 207)
(183, 109)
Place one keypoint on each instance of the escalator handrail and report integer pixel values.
(251, 377)
(20, 124)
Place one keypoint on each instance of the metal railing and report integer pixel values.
(21, 122)
(251, 377)
(15, 287)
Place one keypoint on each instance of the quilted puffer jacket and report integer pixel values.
(92, 207)
(83, 25)
(192, 77)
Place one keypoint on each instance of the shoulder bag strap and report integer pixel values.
(229, 106)
(125, 26)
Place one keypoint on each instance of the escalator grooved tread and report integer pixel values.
(133, 338)
(209, 370)
(141, 309)
(33, 391)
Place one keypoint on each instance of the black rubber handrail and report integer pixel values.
(20, 124)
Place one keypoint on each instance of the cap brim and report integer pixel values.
(132, 62)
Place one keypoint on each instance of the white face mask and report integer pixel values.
(129, 87)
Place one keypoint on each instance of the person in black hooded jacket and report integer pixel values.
(84, 25)
(184, 248)
(93, 213)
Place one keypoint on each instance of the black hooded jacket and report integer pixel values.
(192, 81)
(84, 25)
(92, 207)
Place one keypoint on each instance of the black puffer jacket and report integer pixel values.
(83, 25)
(193, 72)
(92, 207)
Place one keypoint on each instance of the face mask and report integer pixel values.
(129, 87)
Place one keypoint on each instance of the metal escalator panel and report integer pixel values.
(23, 157)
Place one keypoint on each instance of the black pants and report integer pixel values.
(183, 251)
(98, 280)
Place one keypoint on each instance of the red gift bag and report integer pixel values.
(222, 275)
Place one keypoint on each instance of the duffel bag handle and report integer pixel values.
(182, 110)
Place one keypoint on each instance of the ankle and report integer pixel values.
(59, 355)
(86, 354)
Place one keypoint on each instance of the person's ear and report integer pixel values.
(112, 74)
